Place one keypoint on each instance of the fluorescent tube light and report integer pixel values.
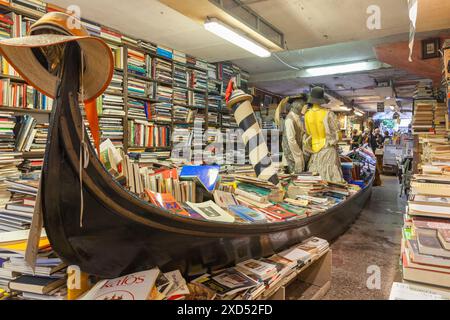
(337, 69)
(344, 108)
(227, 33)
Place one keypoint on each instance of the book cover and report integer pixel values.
(211, 211)
(135, 286)
(166, 201)
(247, 213)
(206, 176)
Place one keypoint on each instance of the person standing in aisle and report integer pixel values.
(293, 136)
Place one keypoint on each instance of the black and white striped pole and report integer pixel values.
(240, 103)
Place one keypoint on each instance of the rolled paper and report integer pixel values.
(240, 103)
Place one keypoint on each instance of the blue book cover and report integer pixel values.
(248, 214)
(207, 176)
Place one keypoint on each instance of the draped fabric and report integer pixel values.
(326, 162)
(293, 143)
(92, 117)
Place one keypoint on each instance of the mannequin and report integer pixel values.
(322, 138)
(293, 137)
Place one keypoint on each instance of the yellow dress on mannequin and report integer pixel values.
(322, 138)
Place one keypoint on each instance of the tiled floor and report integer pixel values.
(371, 244)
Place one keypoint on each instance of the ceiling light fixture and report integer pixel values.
(225, 32)
(337, 69)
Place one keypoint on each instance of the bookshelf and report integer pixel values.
(157, 69)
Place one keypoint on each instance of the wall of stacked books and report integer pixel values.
(425, 249)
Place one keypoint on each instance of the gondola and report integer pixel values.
(121, 233)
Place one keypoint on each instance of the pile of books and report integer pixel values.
(161, 112)
(426, 233)
(110, 35)
(198, 80)
(26, 132)
(148, 135)
(138, 109)
(155, 285)
(108, 104)
(180, 96)
(163, 93)
(197, 99)
(164, 52)
(138, 63)
(40, 134)
(162, 71)
(440, 113)
(112, 129)
(424, 90)
(257, 278)
(181, 114)
(180, 76)
(140, 88)
(93, 29)
(212, 72)
(116, 85)
(179, 57)
(423, 116)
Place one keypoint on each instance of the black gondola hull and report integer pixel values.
(121, 233)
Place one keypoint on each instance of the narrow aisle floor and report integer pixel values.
(371, 244)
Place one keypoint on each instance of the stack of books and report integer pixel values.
(197, 99)
(440, 113)
(423, 116)
(147, 46)
(148, 135)
(180, 76)
(112, 128)
(161, 112)
(40, 138)
(162, 71)
(212, 71)
(424, 90)
(33, 7)
(140, 88)
(116, 85)
(93, 29)
(164, 52)
(181, 114)
(198, 80)
(7, 136)
(426, 232)
(110, 36)
(138, 109)
(179, 57)
(137, 63)
(108, 104)
(163, 93)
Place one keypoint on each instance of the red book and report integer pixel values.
(166, 201)
(279, 213)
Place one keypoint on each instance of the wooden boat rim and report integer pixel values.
(197, 226)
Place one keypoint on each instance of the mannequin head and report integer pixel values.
(297, 106)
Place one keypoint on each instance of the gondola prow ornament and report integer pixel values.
(39, 59)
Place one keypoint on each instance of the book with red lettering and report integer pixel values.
(135, 286)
